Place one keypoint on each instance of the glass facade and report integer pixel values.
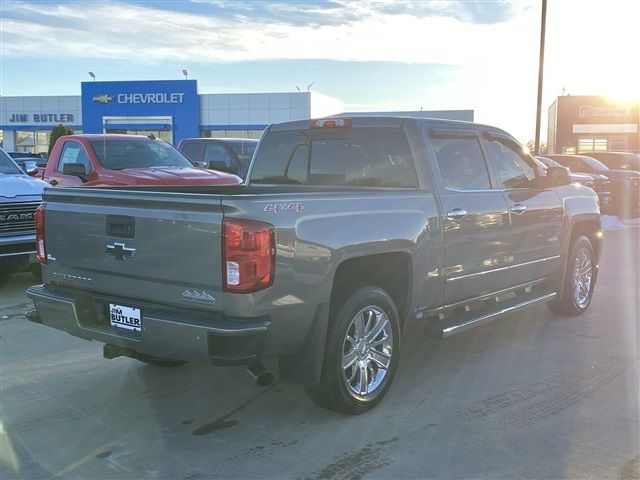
(231, 133)
(161, 134)
(33, 141)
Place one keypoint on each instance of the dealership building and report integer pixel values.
(169, 109)
(579, 124)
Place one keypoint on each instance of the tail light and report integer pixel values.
(41, 251)
(248, 255)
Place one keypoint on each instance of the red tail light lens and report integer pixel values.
(248, 255)
(41, 251)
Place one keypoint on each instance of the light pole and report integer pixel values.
(185, 72)
(543, 22)
(92, 75)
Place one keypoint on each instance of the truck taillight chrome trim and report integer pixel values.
(41, 251)
(248, 255)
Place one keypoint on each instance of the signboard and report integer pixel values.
(49, 118)
(175, 99)
(611, 111)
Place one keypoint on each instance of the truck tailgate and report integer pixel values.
(155, 247)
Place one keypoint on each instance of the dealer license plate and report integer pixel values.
(125, 317)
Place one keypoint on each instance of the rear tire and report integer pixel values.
(580, 280)
(361, 355)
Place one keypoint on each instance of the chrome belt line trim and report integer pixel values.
(555, 257)
(524, 264)
(491, 316)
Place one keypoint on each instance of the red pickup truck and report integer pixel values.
(95, 160)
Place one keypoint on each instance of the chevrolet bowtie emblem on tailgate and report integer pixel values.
(120, 251)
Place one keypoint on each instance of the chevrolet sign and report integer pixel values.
(150, 97)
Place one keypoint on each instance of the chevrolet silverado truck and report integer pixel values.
(116, 160)
(346, 230)
(20, 195)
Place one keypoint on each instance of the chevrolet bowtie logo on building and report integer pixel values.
(104, 98)
(120, 251)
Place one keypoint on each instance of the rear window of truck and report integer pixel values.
(368, 157)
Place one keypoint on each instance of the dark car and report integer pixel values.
(27, 161)
(625, 184)
(599, 183)
(231, 155)
(618, 160)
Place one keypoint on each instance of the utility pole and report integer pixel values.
(540, 75)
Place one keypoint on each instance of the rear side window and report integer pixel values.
(461, 163)
(368, 156)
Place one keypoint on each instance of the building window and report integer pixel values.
(32, 141)
(165, 135)
(231, 133)
(592, 145)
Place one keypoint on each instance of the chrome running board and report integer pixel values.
(472, 319)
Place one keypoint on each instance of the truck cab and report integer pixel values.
(110, 159)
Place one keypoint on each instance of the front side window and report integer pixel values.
(193, 151)
(367, 156)
(513, 168)
(245, 151)
(461, 163)
(73, 152)
(216, 156)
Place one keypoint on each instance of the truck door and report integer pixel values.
(476, 219)
(536, 212)
(72, 153)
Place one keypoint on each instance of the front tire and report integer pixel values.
(580, 280)
(362, 352)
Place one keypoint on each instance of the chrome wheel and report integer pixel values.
(367, 350)
(582, 277)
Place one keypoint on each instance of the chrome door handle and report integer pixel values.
(456, 213)
(518, 208)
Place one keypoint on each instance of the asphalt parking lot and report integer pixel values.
(529, 396)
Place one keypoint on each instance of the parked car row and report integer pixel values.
(624, 184)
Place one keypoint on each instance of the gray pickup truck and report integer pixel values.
(346, 230)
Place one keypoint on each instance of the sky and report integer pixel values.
(373, 55)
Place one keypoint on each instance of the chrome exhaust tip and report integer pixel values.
(260, 374)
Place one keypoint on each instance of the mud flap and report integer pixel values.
(306, 367)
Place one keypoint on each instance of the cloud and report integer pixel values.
(414, 32)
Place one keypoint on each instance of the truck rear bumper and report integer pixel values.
(176, 335)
